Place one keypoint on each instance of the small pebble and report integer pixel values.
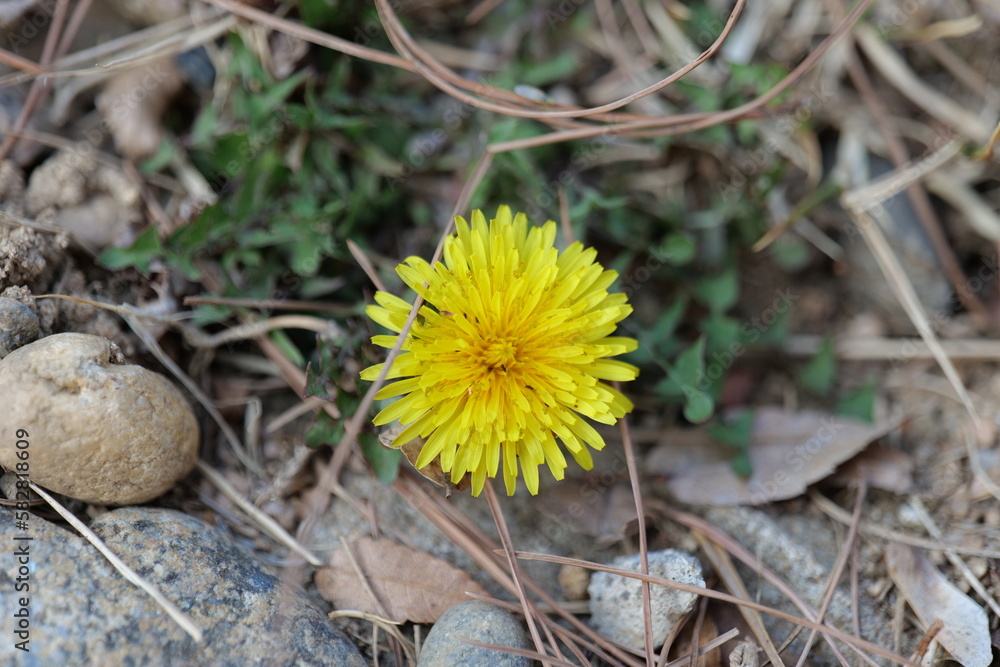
(616, 602)
(478, 621)
(18, 325)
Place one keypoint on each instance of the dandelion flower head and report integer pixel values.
(509, 352)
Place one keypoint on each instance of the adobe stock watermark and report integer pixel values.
(31, 24)
(796, 460)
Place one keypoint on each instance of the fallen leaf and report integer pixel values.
(132, 105)
(709, 631)
(411, 450)
(410, 585)
(881, 468)
(788, 452)
(966, 631)
(590, 507)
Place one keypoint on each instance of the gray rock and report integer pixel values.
(83, 612)
(616, 601)
(18, 325)
(478, 621)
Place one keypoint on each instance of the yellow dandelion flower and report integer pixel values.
(507, 354)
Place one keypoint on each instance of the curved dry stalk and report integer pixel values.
(679, 124)
(311, 35)
(450, 82)
(172, 610)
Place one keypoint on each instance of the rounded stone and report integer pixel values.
(91, 426)
(83, 612)
(18, 325)
(480, 622)
(616, 601)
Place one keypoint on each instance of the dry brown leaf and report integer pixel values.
(132, 105)
(788, 452)
(589, 507)
(966, 631)
(411, 450)
(410, 585)
(881, 468)
(709, 631)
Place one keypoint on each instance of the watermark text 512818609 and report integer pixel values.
(22, 546)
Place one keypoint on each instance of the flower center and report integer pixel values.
(498, 354)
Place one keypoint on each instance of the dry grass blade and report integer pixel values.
(861, 349)
(453, 84)
(515, 570)
(309, 34)
(633, 475)
(388, 626)
(705, 648)
(838, 514)
(172, 610)
(268, 525)
(863, 205)
(723, 564)
(838, 568)
(925, 641)
(897, 73)
(366, 265)
(716, 595)
(928, 521)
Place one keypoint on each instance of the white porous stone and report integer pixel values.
(616, 601)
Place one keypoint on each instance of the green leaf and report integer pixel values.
(860, 403)
(818, 375)
(317, 13)
(721, 332)
(686, 373)
(324, 372)
(677, 249)
(325, 431)
(285, 344)
(158, 160)
(719, 292)
(556, 69)
(698, 405)
(143, 250)
(736, 433)
(384, 461)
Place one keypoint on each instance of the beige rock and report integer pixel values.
(98, 429)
